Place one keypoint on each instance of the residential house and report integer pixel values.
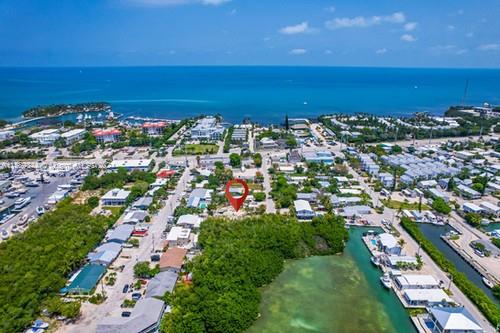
(303, 210)
(416, 281)
(426, 297)
(469, 207)
(388, 244)
(172, 259)
(453, 320)
(162, 283)
(200, 198)
(178, 236)
(120, 234)
(115, 197)
(190, 221)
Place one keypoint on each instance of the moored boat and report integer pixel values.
(488, 283)
(386, 281)
(375, 260)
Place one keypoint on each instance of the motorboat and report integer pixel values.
(14, 228)
(5, 234)
(375, 261)
(23, 220)
(7, 218)
(488, 283)
(40, 324)
(40, 210)
(386, 281)
(21, 203)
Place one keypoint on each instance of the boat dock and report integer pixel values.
(470, 260)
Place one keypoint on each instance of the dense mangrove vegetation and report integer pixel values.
(60, 109)
(239, 257)
(35, 265)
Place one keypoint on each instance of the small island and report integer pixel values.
(55, 110)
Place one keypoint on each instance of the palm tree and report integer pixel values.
(401, 242)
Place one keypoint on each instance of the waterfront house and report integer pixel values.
(490, 208)
(426, 297)
(172, 259)
(130, 165)
(162, 282)
(394, 261)
(178, 236)
(353, 211)
(46, 137)
(469, 207)
(154, 128)
(453, 320)
(416, 281)
(145, 317)
(388, 244)
(107, 135)
(344, 201)
(303, 210)
(73, 135)
(115, 197)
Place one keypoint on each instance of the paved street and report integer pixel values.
(93, 314)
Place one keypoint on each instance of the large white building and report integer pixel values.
(130, 165)
(6, 135)
(207, 129)
(46, 137)
(73, 135)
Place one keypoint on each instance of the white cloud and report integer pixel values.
(165, 3)
(364, 22)
(408, 38)
(331, 9)
(381, 51)
(300, 28)
(410, 26)
(298, 51)
(489, 47)
(447, 49)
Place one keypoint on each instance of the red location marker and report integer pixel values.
(236, 202)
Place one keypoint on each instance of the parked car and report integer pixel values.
(136, 296)
(125, 288)
(126, 313)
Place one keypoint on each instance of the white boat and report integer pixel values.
(7, 218)
(375, 260)
(5, 234)
(40, 210)
(40, 324)
(488, 283)
(386, 281)
(23, 220)
(14, 228)
(21, 203)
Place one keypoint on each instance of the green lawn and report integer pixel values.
(394, 204)
(197, 149)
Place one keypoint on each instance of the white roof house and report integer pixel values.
(426, 297)
(490, 208)
(115, 197)
(303, 209)
(416, 281)
(453, 320)
(178, 236)
(387, 241)
(189, 221)
(470, 207)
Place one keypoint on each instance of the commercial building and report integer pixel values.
(323, 156)
(46, 137)
(145, 317)
(453, 320)
(115, 197)
(107, 135)
(239, 134)
(154, 128)
(130, 165)
(73, 135)
(207, 129)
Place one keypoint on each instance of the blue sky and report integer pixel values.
(419, 33)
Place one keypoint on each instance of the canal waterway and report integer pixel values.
(332, 294)
(433, 232)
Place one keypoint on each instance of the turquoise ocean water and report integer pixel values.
(264, 94)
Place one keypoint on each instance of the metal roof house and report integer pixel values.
(115, 197)
(162, 282)
(86, 280)
(303, 210)
(453, 320)
(121, 233)
(145, 318)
